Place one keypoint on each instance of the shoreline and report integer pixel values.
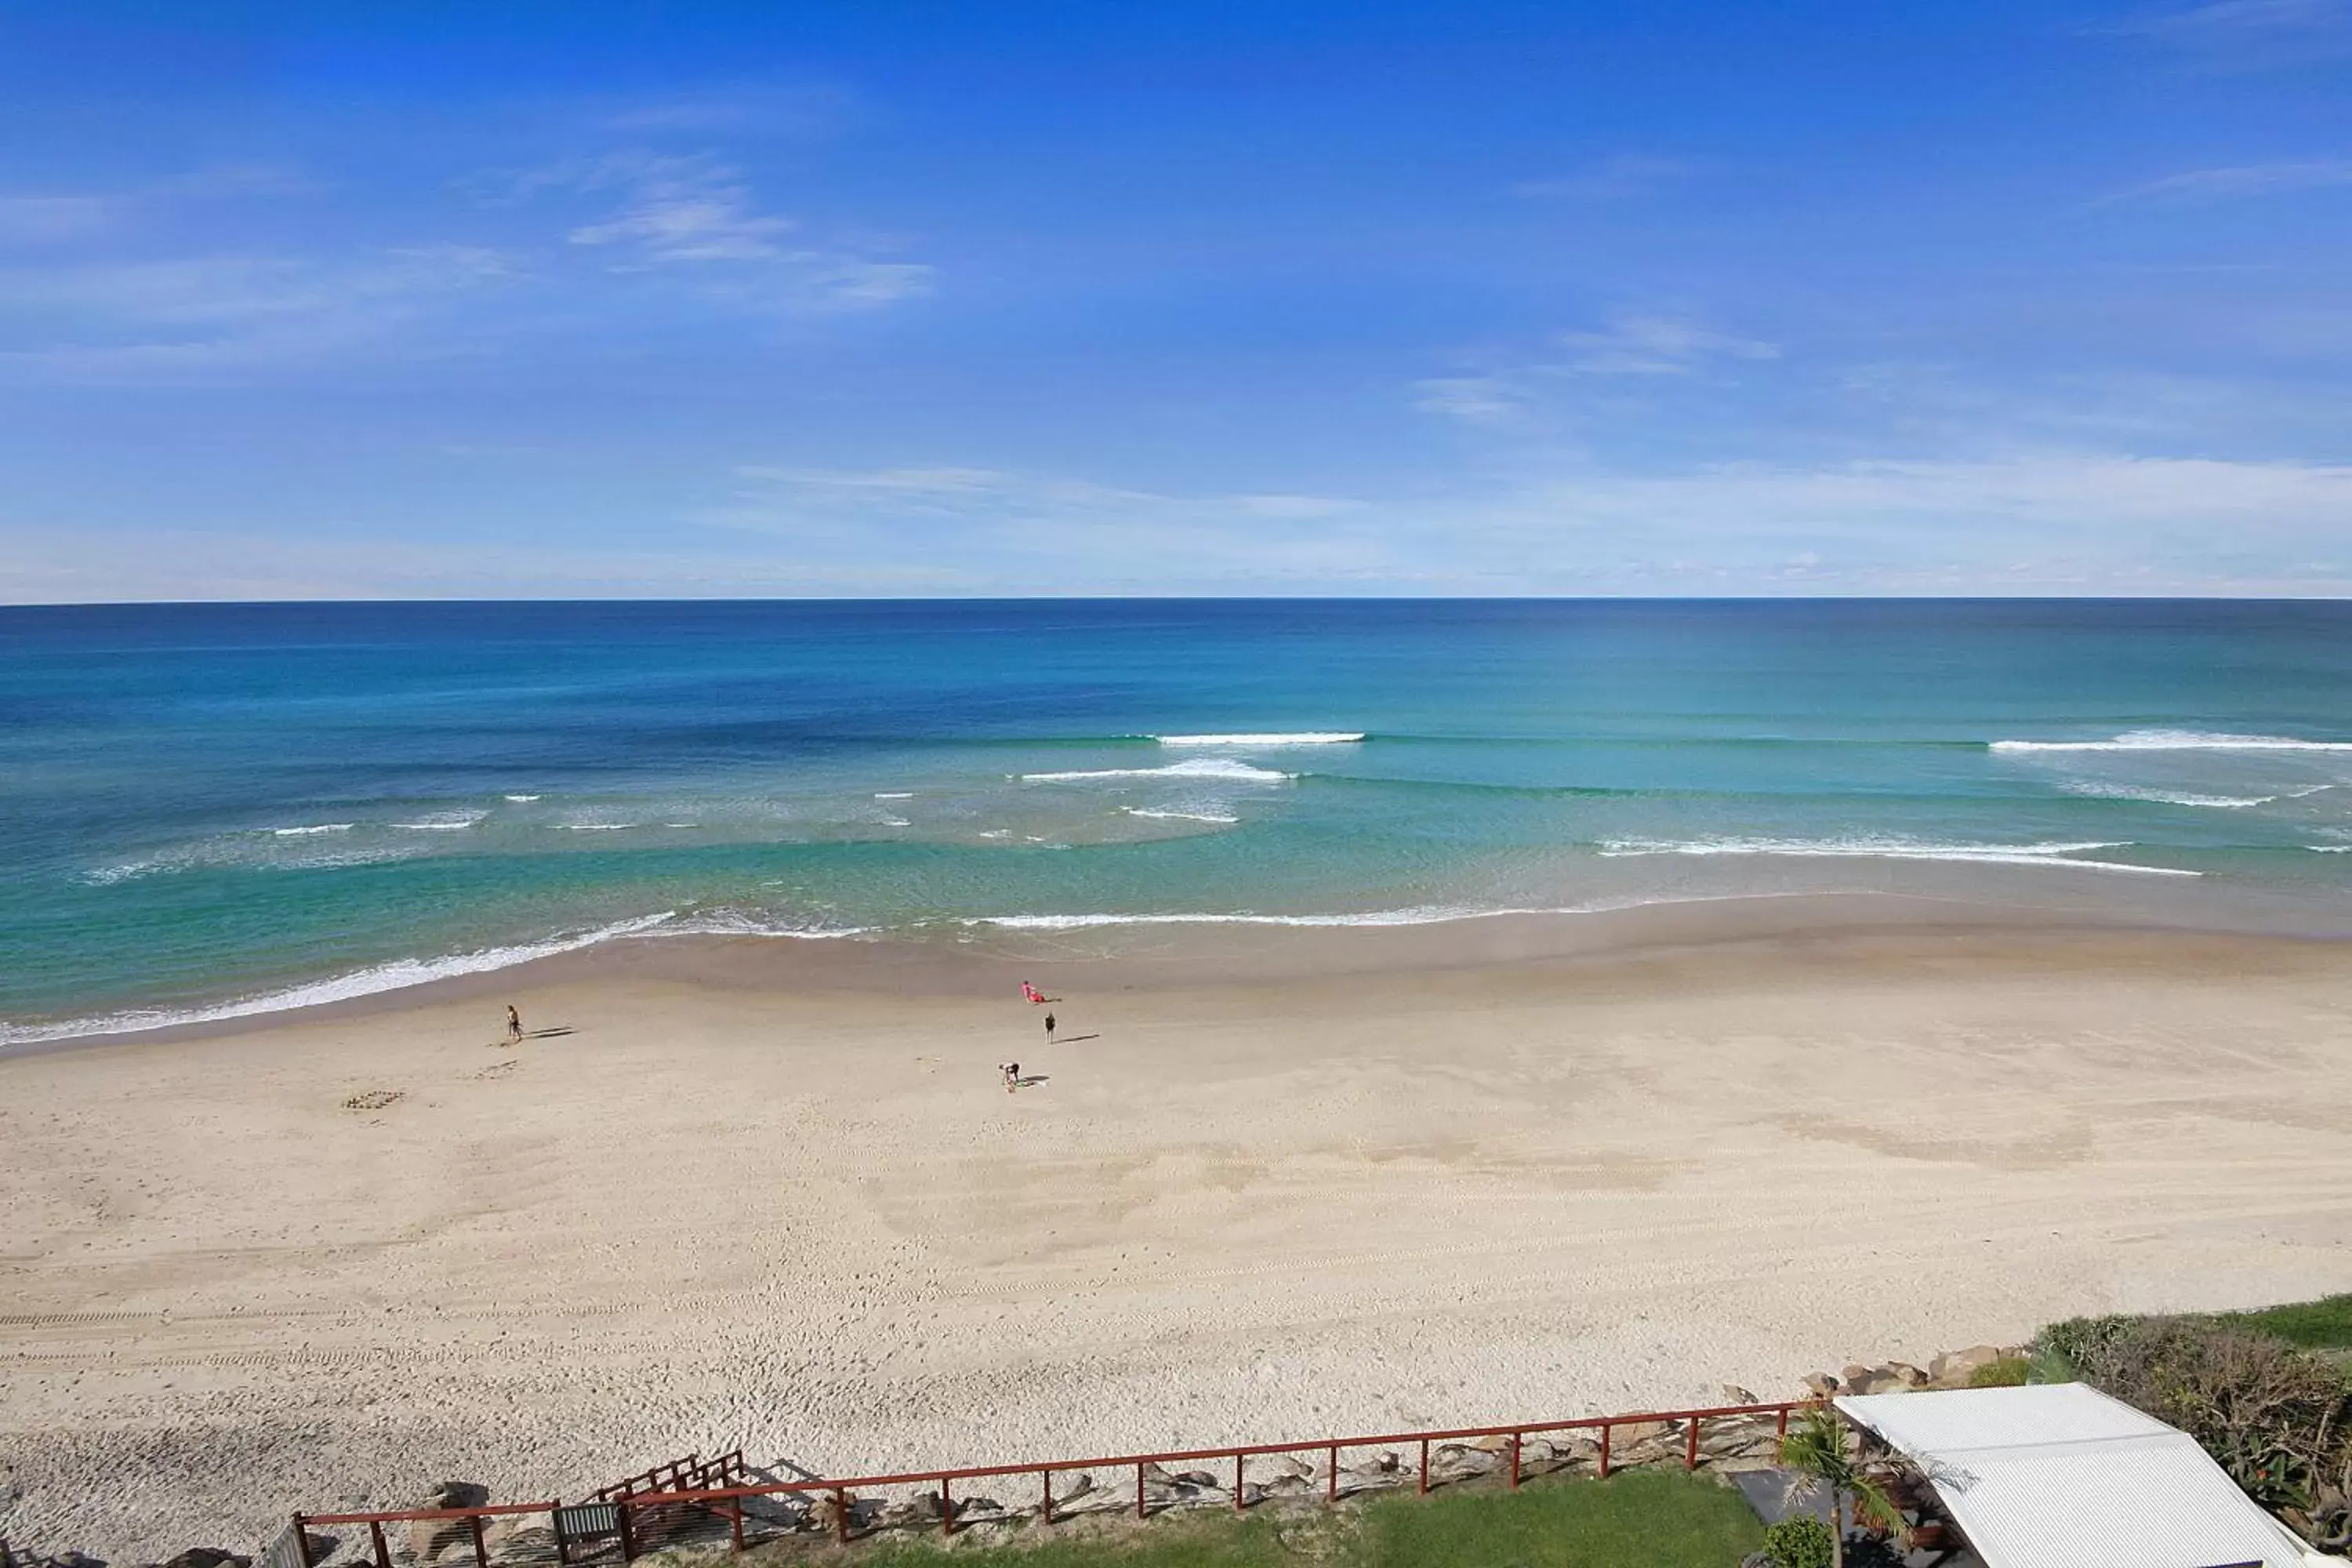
(1157, 950)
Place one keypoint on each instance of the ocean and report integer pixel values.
(213, 810)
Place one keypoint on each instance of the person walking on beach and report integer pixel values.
(514, 1025)
(1049, 1027)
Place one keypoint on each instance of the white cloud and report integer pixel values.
(2245, 180)
(208, 315)
(45, 220)
(2249, 33)
(1656, 345)
(1473, 399)
(1611, 179)
(683, 209)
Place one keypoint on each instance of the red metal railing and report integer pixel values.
(727, 1501)
(693, 1473)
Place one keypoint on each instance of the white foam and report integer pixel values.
(895, 822)
(2166, 797)
(1180, 816)
(397, 975)
(316, 827)
(2329, 848)
(1301, 738)
(1895, 850)
(595, 827)
(522, 799)
(1203, 768)
(2177, 741)
(895, 795)
(1425, 914)
(452, 822)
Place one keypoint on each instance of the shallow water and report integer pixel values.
(230, 806)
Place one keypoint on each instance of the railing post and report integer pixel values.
(481, 1553)
(1604, 1450)
(1139, 1488)
(1690, 1446)
(556, 1523)
(1238, 1483)
(621, 1527)
(841, 1515)
(947, 1506)
(735, 1523)
(1780, 1428)
(1332, 1490)
(1424, 1467)
(1047, 1477)
(302, 1544)
(1514, 1461)
(383, 1552)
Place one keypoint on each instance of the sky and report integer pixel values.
(829, 297)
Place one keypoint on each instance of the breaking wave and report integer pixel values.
(1895, 850)
(2177, 741)
(1299, 738)
(1203, 768)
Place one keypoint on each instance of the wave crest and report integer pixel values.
(1201, 768)
(1866, 848)
(1295, 738)
(2175, 740)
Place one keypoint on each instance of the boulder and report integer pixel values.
(1907, 1374)
(1956, 1367)
(207, 1557)
(1070, 1489)
(1735, 1394)
(428, 1538)
(1821, 1384)
(1277, 1467)
(1626, 1436)
(1199, 1480)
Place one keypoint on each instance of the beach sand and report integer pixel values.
(1282, 1183)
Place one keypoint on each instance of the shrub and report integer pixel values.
(2008, 1372)
(1802, 1542)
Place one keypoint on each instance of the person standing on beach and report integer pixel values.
(1049, 1026)
(1012, 1071)
(514, 1025)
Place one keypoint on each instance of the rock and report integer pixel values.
(1956, 1367)
(76, 1560)
(1287, 1484)
(1907, 1374)
(1821, 1385)
(1070, 1489)
(1628, 1434)
(1282, 1466)
(1735, 1394)
(206, 1557)
(1199, 1480)
(1386, 1463)
(428, 1538)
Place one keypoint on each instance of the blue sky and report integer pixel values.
(829, 297)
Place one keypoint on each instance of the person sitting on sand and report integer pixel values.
(514, 1025)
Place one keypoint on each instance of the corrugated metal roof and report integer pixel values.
(2060, 1476)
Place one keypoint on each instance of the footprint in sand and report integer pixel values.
(374, 1098)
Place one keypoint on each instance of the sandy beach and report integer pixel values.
(1270, 1184)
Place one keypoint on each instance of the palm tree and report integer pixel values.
(1817, 1450)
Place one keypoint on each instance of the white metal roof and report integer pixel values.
(2060, 1476)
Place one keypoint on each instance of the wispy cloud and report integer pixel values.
(698, 213)
(2247, 33)
(1657, 345)
(205, 316)
(2245, 180)
(739, 109)
(45, 220)
(1611, 179)
(1633, 344)
(682, 210)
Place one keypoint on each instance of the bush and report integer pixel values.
(2008, 1372)
(1802, 1542)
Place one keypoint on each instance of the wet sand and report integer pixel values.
(1280, 1182)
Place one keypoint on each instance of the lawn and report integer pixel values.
(2324, 1324)
(1634, 1520)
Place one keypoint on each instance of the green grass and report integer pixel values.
(1637, 1520)
(2324, 1324)
(2008, 1372)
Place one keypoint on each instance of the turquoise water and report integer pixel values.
(235, 807)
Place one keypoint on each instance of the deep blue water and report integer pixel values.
(207, 804)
